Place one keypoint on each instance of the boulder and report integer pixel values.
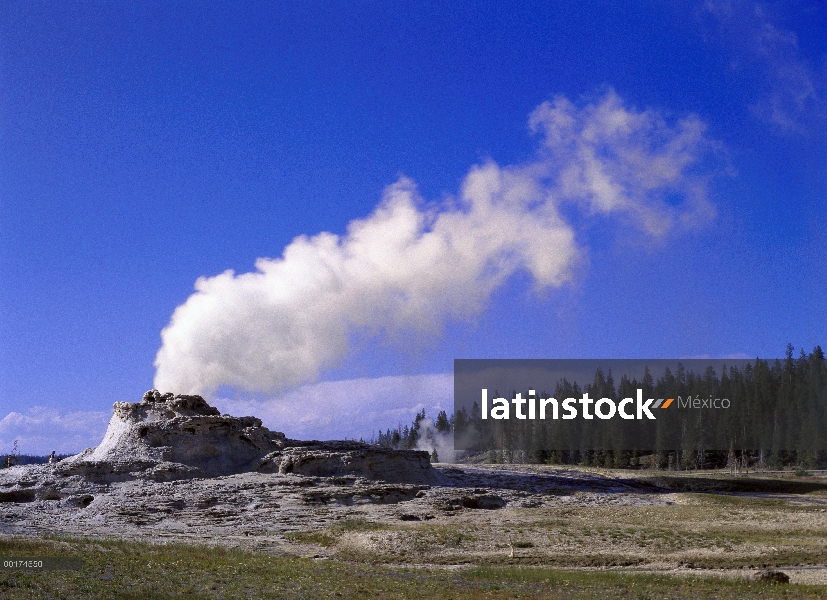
(337, 458)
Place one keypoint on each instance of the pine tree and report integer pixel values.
(442, 424)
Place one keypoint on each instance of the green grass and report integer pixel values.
(120, 569)
(448, 536)
(328, 537)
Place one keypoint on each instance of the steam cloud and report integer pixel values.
(430, 439)
(411, 267)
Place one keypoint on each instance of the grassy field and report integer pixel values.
(119, 569)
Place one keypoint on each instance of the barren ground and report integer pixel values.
(694, 524)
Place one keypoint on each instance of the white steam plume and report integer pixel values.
(407, 267)
(430, 439)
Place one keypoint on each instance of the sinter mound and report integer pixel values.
(167, 437)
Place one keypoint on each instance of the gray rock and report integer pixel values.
(260, 510)
(173, 468)
(166, 437)
(331, 459)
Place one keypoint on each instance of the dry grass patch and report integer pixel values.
(704, 530)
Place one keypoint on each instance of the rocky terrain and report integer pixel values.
(166, 437)
(174, 467)
(171, 468)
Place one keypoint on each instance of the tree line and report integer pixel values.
(407, 438)
(777, 417)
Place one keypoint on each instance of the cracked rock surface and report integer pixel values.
(166, 437)
(256, 509)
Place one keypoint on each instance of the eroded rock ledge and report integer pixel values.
(166, 437)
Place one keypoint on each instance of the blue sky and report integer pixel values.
(146, 145)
